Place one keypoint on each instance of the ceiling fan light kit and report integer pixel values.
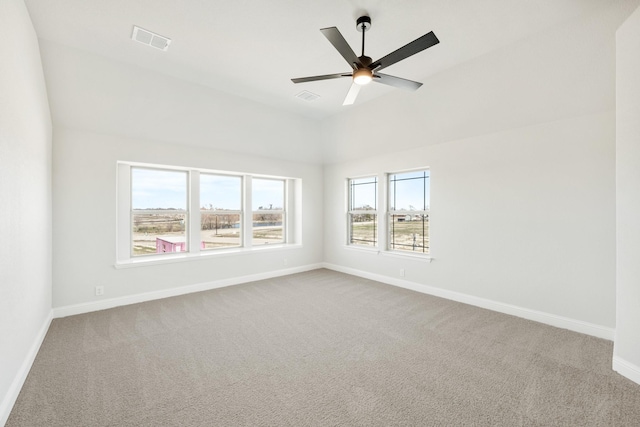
(362, 76)
(364, 70)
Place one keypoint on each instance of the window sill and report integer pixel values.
(417, 257)
(368, 249)
(208, 255)
(391, 254)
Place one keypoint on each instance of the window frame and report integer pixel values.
(240, 212)
(282, 211)
(383, 212)
(375, 212)
(292, 210)
(424, 212)
(134, 211)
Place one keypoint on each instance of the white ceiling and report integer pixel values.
(253, 48)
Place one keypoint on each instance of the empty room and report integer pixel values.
(319, 213)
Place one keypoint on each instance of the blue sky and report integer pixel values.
(404, 193)
(267, 192)
(158, 189)
(221, 192)
(161, 189)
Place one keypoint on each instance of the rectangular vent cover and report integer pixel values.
(150, 39)
(307, 96)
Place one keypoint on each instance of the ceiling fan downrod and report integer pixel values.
(363, 24)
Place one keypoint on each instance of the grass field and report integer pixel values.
(145, 243)
(363, 233)
(412, 236)
(268, 234)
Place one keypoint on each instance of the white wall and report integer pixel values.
(97, 94)
(25, 195)
(627, 344)
(560, 73)
(84, 215)
(523, 217)
(107, 111)
(521, 146)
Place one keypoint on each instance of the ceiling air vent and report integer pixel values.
(150, 39)
(307, 96)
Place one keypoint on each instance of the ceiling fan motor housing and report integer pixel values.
(365, 60)
(364, 22)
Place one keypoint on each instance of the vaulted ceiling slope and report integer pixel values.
(252, 49)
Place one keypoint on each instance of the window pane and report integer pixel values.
(409, 191)
(267, 228)
(219, 230)
(158, 233)
(220, 192)
(267, 194)
(158, 189)
(362, 229)
(363, 194)
(409, 233)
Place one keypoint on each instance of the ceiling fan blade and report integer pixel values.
(352, 94)
(324, 77)
(396, 81)
(418, 45)
(335, 38)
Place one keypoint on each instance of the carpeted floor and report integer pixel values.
(319, 349)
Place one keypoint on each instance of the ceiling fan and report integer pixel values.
(364, 69)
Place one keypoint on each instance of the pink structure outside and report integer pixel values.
(166, 244)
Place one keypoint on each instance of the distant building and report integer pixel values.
(172, 244)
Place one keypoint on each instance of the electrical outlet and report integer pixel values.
(284, 262)
(99, 290)
(402, 272)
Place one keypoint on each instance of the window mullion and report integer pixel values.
(286, 231)
(350, 204)
(193, 215)
(124, 218)
(381, 207)
(247, 219)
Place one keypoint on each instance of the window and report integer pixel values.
(268, 199)
(408, 215)
(159, 211)
(166, 212)
(363, 211)
(220, 211)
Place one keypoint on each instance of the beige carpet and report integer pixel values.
(319, 349)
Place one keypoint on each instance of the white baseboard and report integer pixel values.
(626, 369)
(538, 316)
(70, 310)
(18, 381)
